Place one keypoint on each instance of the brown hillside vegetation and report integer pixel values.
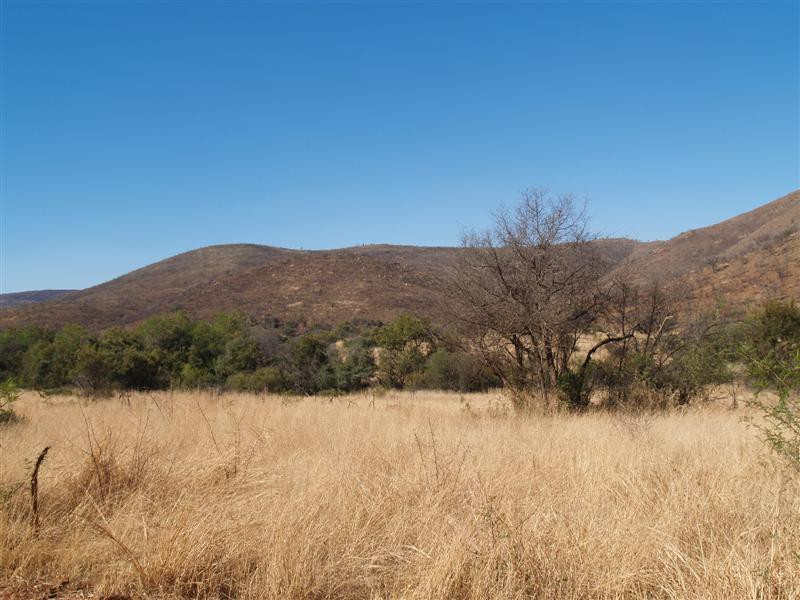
(329, 286)
(405, 496)
(745, 259)
(32, 297)
(264, 282)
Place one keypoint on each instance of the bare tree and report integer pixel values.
(526, 291)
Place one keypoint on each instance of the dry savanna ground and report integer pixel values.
(409, 496)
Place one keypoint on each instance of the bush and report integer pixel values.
(457, 371)
(15, 342)
(133, 367)
(675, 367)
(357, 369)
(771, 353)
(308, 364)
(404, 345)
(92, 372)
(265, 379)
(770, 346)
(9, 394)
(698, 364)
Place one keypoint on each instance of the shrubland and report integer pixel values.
(231, 353)
(672, 358)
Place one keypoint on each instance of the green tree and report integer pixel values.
(309, 366)
(356, 370)
(238, 350)
(168, 339)
(132, 366)
(37, 368)
(93, 371)
(14, 344)
(404, 343)
(50, 361)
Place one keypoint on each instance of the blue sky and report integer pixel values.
(134, 131)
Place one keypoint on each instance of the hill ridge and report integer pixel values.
(746, 258)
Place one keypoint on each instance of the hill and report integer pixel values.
(745, 259)
(32, 297)
(374, 282)
(370, 282)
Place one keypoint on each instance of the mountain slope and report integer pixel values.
(748, 258)
(745, 259)
(373, 282)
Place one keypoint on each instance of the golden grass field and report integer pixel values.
(410, 496)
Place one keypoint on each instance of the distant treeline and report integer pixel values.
(174, 351)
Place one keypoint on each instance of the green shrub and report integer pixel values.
(771, 342)
(676, 366)
(404, 345)
(308, 365)
(14, 345)
(194, 377)
(172, 350)
(92, 372)
(771, 353)
(133, 367)
(457, 371)
(265, 379)
(9, 394)
(357, 369)
(401, 332)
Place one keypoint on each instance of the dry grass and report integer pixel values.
(415, 497)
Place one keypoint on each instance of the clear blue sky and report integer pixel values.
(133, 131)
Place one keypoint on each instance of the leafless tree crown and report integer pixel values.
(527, 289)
